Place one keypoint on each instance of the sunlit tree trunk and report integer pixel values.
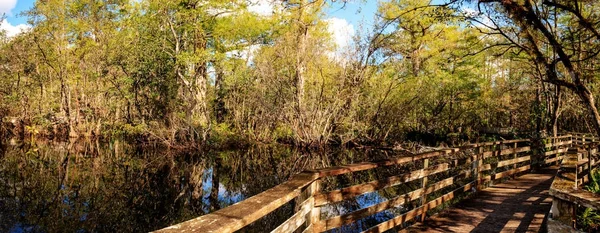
(301, 38)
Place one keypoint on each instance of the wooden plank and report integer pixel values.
(340, 170)
(577, 196)
(513, 161)
(341, 220)
(574, 163)
(583, 180)
(552, 160)
(485, 167)
(501, 142)
(387, 225)
(352, 191)
(506, 173)
(239, 215)
(587, 141)
(596, 163)
(506, 151)
(581, 168)
(299, 218)
(309, 229)
(558, 151)
(559, 144)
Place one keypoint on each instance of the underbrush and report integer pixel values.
(588, 219)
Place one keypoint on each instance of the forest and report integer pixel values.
(136, 115)
(215, 73)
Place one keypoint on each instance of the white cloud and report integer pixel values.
(259, 7)
(341, 31)
(470, 12)
(484, 20)
(245, 53)
(12, 30)
(6, 6)
(262, 7)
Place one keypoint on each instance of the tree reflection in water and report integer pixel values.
(90, 186)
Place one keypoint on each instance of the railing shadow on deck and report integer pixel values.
(411, 188)
(505, 208)
(494, 224)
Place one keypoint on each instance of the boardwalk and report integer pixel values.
(519, 205)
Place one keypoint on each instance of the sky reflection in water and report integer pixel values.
(117, 187)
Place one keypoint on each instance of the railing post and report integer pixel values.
(497, 152)
(313, 218)
(515, 157)
(558, 154)
(476, 165)
(424, 186)
(589, 164)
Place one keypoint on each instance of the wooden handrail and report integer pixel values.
(241, 214)
(510, 161)
(340, 170)
(356, 190)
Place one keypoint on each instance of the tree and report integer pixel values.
(568, 60)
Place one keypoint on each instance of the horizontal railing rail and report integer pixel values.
(408, 188)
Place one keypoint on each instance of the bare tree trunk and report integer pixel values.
(556, 110)
(66, 104)
(538, 103)
(200, 43)
(200, 95)
(300, 60)
(588, 99)
(220, 96)
(300, 67)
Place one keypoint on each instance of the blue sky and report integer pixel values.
(353, 11)
(345, 19)
(17, 6)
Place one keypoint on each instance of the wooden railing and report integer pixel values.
(580, 139)
(406, 189)
(567, 188)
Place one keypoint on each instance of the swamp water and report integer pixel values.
(117, 187)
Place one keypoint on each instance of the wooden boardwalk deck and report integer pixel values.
(519, 205)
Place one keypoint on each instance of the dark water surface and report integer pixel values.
(118, 187)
